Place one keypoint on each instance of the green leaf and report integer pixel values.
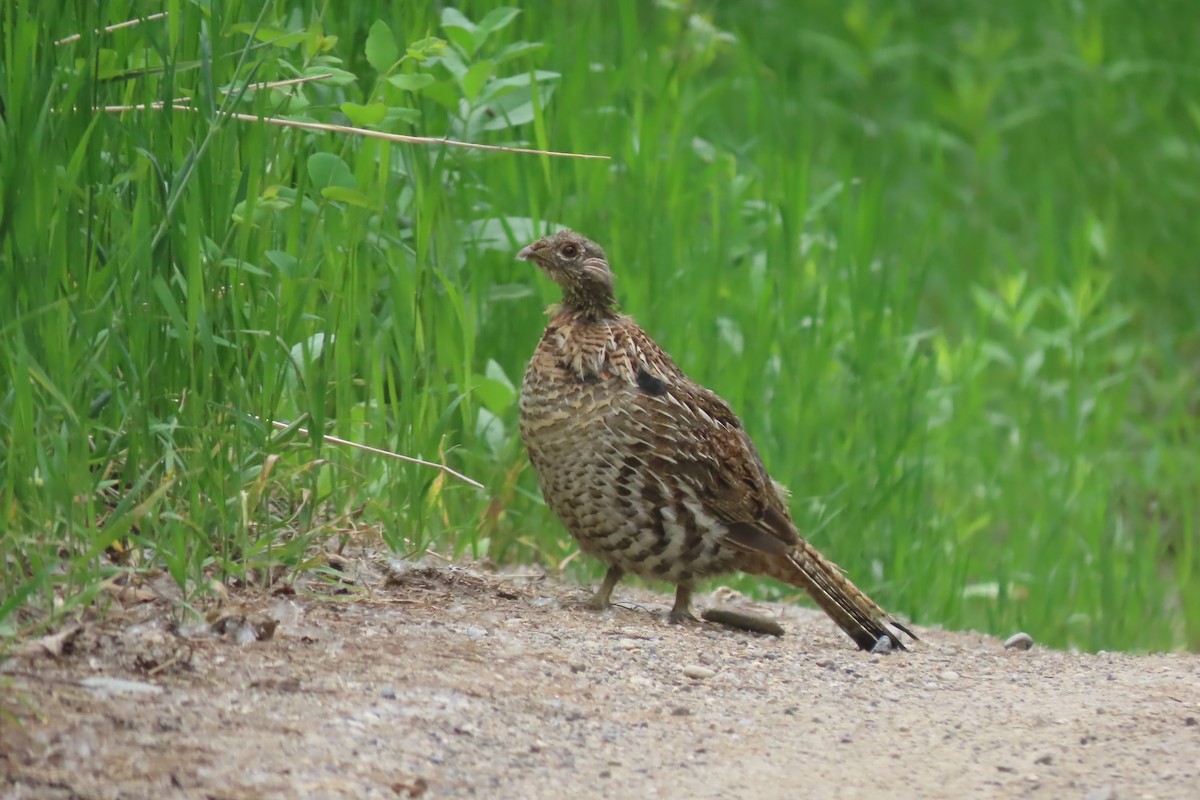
(495, 389)
(453, 18)
(490, 428)
(454, 64)
(291, 101)
(263, 208)
(107, 65)
(345, 195)
(284, 262)
(516, 50)
(501, 234)
(326, 169)
(308, 351)
(495, 396)
(401, 114)
(502, 86)
(337, 77)
(361, 115)
(506, 292)
(496, 372)
(426, 48)
(498, 18)
(381, 47)
(273, 36)
(461, 31)
(473, 82)
(244, 266)
(498, 110)
(464, 40)
(494, 21)
(445, 94)
(411, 82)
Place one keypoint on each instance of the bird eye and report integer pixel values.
(569, 251)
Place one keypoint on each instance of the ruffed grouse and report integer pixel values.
(649, 471)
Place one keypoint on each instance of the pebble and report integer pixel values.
(388, 692)
(110, 686)
(697, 672)
(949, 675)
(1018, 641)
(1103, 793)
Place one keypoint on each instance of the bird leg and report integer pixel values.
(603, 596)
(681, 612)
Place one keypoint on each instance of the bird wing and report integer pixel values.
(696, 438)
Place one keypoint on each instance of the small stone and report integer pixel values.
(244, 634)
(388, 692)
(697, 672)
(578, 666)
(1045, 759)
(883, 646)
(1103, 793)
(681, 711)
(1190, 722)
(949, 675)
(110, 686)
(1018, 641)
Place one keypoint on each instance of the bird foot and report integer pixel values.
(684, 617)
(602, 599)
(681, 612)
(596, 603)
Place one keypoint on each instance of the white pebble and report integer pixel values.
(697, 672)
(1018, 641)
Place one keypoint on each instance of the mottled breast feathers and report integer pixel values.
(655, 402)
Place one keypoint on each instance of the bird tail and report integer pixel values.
(855, 613)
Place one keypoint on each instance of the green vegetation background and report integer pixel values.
(940, 257)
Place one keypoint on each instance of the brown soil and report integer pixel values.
(455, 682)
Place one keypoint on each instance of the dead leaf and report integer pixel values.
(126, 593)
(53, 645)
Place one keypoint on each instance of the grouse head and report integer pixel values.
(577, 264)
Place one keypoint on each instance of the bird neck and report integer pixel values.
(590, 305)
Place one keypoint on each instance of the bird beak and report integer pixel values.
(531, 253)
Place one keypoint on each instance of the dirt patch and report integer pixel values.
(452, 682)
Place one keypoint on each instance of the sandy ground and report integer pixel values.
(455, 682)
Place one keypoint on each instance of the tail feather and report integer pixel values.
(855, 613)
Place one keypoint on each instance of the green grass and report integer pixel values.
(941, 263)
